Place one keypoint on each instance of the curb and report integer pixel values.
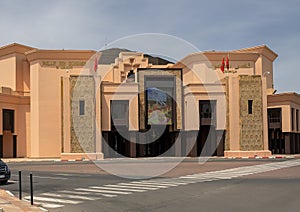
(75, 160)
(265, 157)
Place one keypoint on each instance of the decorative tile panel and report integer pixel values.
(82, 126)
(251, 125)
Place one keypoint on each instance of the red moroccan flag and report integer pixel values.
(96, 64)
(223, 65)
(227, 63)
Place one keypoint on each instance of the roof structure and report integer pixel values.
(109, 55)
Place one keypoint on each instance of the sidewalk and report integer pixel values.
(10, 203)
(275, 156)
(14, 160)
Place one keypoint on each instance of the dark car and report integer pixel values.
(4, 172)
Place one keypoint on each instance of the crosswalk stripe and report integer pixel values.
(64, 174)
(68, 196)
(188, 177)
(172, 184)
(144, 185)
(103, 191)
(54, 178)
(74, 192)
(155, 184)
(47, 199)
(118, 189)
(48, 205)
(170, 181)
(176, 182)
(224, 177)
(87, 193)
(132, 186)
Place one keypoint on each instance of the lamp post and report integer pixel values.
(265, 111)
(266, 73)
(264, 78)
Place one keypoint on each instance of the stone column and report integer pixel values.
(66, 117)
(98, 127)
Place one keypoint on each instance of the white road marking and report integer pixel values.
(75, 192)
(48, 205)
(159, 183)
(71, 175)
(44, 209)
(64, 174)
(169, 181)
(110, 192)
(97, 191)
(47, 199)
(68, 196)
(188, 177)
(118, 189)
(11, 194)
(143, 185)
(53, 178)
(132, 186)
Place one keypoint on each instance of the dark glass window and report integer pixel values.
(8, 120)
(119, 112)
(274, 115)
(81, 107)
(250, 106)
(206, 109)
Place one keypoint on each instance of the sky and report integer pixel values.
(207, 25)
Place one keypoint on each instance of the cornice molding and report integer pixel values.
(284, 97)
(263, 49)
(38, 54)
(14, 48)
(208, 57)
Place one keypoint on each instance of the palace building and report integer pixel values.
(74, 104)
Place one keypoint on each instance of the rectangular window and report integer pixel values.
(250, 106)
(274, 115)
(119, 112)
(205, 109)
(8, 120)
(292, 118)
(207, 112)
(81, 107)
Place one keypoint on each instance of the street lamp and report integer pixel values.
(268, 73)
(264, 75)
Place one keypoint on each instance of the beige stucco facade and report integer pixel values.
(284, 128)
(61, 106)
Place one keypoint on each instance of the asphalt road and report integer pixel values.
(241, 185)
